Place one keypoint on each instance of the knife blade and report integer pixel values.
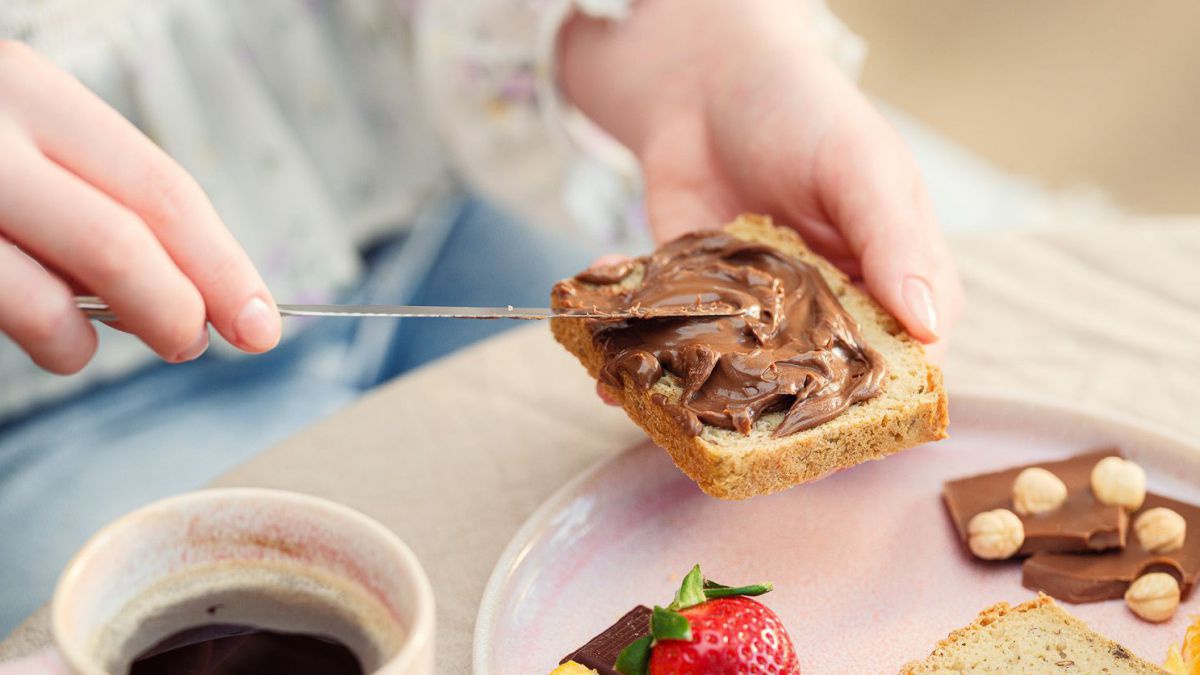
(97, 309)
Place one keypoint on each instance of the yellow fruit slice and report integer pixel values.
(1185, 660)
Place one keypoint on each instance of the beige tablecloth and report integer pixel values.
(455, 456)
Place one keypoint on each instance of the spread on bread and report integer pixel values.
(794, 350)
(707, 628)
(700, 407)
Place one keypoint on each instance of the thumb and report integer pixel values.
(872, 190)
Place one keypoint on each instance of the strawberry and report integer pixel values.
(710, 629)
(729, 635)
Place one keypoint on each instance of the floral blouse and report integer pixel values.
(316, 126)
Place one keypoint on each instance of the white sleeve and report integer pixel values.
(487, 72)
(478, 65)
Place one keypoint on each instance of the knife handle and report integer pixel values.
(94, 308)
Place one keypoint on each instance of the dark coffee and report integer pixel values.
(225, 649)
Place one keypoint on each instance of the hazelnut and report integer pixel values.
(1153, 596)
(1160, 530)
(1036, 490)
(1119, 482)
(995, 535)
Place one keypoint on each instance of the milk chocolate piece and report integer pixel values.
(1088, 577)
(601, 652)
(1081, 524)
(795, 350)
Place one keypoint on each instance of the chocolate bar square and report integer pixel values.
(1088, 577)
(1082, 523)
(601, 651)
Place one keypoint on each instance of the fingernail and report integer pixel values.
(919, 298)
(197, 348)
(257, 327)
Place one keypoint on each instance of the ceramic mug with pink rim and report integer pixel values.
(269, 560)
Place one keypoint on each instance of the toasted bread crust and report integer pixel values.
(730, 466)
(1055, 621)
(984, 619)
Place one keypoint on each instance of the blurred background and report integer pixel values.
(1089, 106)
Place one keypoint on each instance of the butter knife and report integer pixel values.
(97, 309)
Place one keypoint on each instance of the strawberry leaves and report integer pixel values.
(635, 659)
(713, 590)
(667, 623)
(691, 591)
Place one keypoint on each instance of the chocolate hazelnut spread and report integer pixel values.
(794, 350)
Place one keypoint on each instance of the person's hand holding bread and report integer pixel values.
(731, 108)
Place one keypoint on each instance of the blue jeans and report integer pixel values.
(69, 469)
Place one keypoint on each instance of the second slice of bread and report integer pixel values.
(910, 410)
(1033, 637)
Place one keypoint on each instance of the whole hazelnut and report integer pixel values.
(1160, 530)
(1120, 482)
(1154, 596)
(1036, 490)
(995, 535)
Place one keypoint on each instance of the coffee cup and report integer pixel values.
(241, 562)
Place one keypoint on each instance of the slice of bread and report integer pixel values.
(1033, 637)
(910, 410)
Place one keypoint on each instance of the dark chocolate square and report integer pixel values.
(601, 651)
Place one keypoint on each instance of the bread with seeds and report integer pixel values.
(909, 409)
(1034, 637)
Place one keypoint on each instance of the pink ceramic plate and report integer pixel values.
(867, 570)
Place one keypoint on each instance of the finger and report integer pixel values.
(67, 278)
(78, 131)
(871, 188)
(821, 237)
(55, 217)
(851, 267)
(673, 212)
(936, 352)
(608, 259)
(199, 348)
(38, 312)
(602, 392)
